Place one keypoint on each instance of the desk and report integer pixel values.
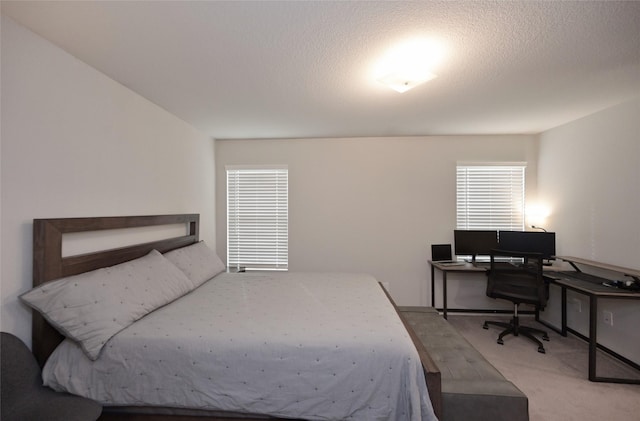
(594, 290)
(466, 268)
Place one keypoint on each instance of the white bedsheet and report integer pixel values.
(314, 346)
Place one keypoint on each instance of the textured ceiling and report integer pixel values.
(303, 69)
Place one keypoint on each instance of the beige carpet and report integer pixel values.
(556, 382)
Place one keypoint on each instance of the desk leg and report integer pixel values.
(444, 294)
(433, 288)
(593, 336)
(564, 311)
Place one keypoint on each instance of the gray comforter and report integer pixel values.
(306, 345)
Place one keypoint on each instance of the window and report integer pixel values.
(490, 196)
(257, 217)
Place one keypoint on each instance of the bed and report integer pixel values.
(255, 345)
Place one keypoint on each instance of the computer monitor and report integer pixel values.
(475, 242)
(529, 241)
(440, 252)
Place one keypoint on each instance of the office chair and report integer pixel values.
(520, 284)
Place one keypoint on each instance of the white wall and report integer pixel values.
(589, 176)
(374, 205)
(76, 143)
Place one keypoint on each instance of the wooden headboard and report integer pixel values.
(49, 264)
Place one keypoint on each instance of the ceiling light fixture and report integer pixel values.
(409, 64)
(402, 81)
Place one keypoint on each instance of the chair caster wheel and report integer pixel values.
(485, 326)
(500, 341)
(541, 350)
(545, 338)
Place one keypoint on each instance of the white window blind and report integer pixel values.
(490, 197)
(257, 218)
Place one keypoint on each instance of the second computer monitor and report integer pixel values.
(529, 241)
(475, 242)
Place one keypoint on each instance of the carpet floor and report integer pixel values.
(556, 383)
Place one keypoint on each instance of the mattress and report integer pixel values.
(304, 345)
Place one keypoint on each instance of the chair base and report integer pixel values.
(514, 328)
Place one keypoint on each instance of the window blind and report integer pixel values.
(257, 218)
(490, 197)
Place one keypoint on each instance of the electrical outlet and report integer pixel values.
(607, 317)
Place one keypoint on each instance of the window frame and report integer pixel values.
(257, 217)
(499, 214)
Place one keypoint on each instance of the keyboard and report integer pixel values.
(592, 279)
(452, 263)
(576, 275)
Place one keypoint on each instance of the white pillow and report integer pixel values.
(92, 307)
(197, 261)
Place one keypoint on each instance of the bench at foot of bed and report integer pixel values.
(472, 389)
